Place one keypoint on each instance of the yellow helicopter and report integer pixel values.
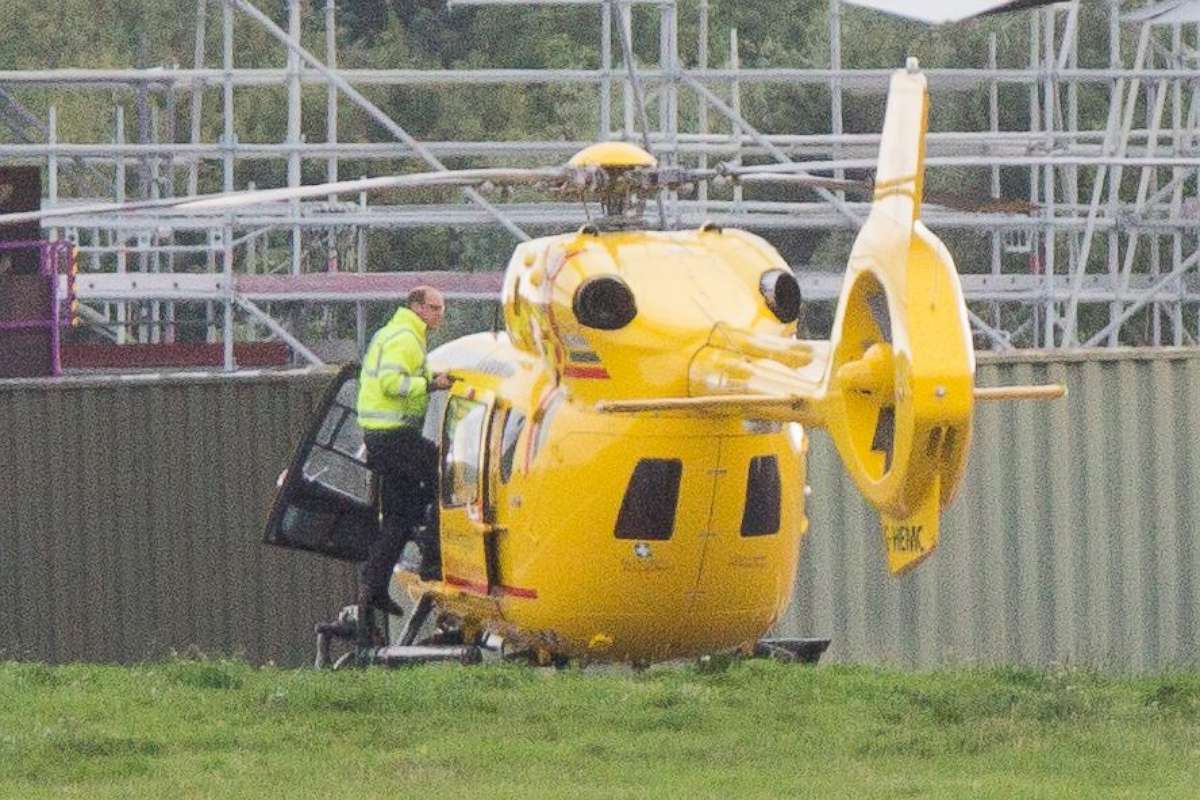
(623, 467)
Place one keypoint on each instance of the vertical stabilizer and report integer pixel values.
(900, 379)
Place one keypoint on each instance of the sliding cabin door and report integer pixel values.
(466, 516)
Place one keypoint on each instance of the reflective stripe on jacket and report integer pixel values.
(393, 384)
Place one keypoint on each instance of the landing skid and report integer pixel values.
(798, 651)
(366, 644)
(398, 655)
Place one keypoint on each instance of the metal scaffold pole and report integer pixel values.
(293, 131)
(996, 234)
(606, 65)
(228, 333)
(1038, 262)
(702, 110)
(294, 46)
(1049, 184)
(735, 103)
(119, 191)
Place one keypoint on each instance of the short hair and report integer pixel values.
(417, 295)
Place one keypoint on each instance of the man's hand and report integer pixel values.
(441, 381)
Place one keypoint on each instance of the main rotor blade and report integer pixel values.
(797, 173)
(936, 12)
(466, 177)
(736, 170)
(228, 200)
(800, 179)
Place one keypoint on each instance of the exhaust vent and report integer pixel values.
(605, 303)
(782, 293)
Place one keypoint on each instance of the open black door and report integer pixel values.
(325, 502)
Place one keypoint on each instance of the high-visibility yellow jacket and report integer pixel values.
(393, 384)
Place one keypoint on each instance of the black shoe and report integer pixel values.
(339, 628)
(382, 601)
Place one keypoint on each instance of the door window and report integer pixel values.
(325, 503)
(337, 460)
(462, 450)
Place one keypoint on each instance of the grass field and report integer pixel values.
(749, 729)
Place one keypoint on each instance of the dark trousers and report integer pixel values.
(407, 465)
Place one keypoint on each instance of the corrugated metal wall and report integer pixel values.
(131, 515)
(1073, 541)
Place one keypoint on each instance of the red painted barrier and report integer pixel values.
(179, 354)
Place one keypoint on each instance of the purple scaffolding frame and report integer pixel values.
(51, 257)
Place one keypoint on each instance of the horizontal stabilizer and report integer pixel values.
(746, 406)
(792, 408)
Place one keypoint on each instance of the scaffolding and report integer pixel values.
(1100, 250)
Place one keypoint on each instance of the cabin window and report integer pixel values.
(514, 423)
(462, 446)
(433, 415)
(541, 431)
(648, 509)
(761, 514)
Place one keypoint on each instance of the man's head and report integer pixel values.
(428, 304)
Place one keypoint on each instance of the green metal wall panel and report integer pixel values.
(1073, 539)
(131, 514)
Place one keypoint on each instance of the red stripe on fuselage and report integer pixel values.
(482, 589)
(574, 371)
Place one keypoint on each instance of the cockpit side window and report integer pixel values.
(514, 423)
(648, 508)
(433, 415)
(541, 432)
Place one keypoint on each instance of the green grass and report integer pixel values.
(751, 729)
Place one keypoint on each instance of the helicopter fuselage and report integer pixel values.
(637, 537)
(618, 536)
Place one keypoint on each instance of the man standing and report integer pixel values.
(393, 393)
